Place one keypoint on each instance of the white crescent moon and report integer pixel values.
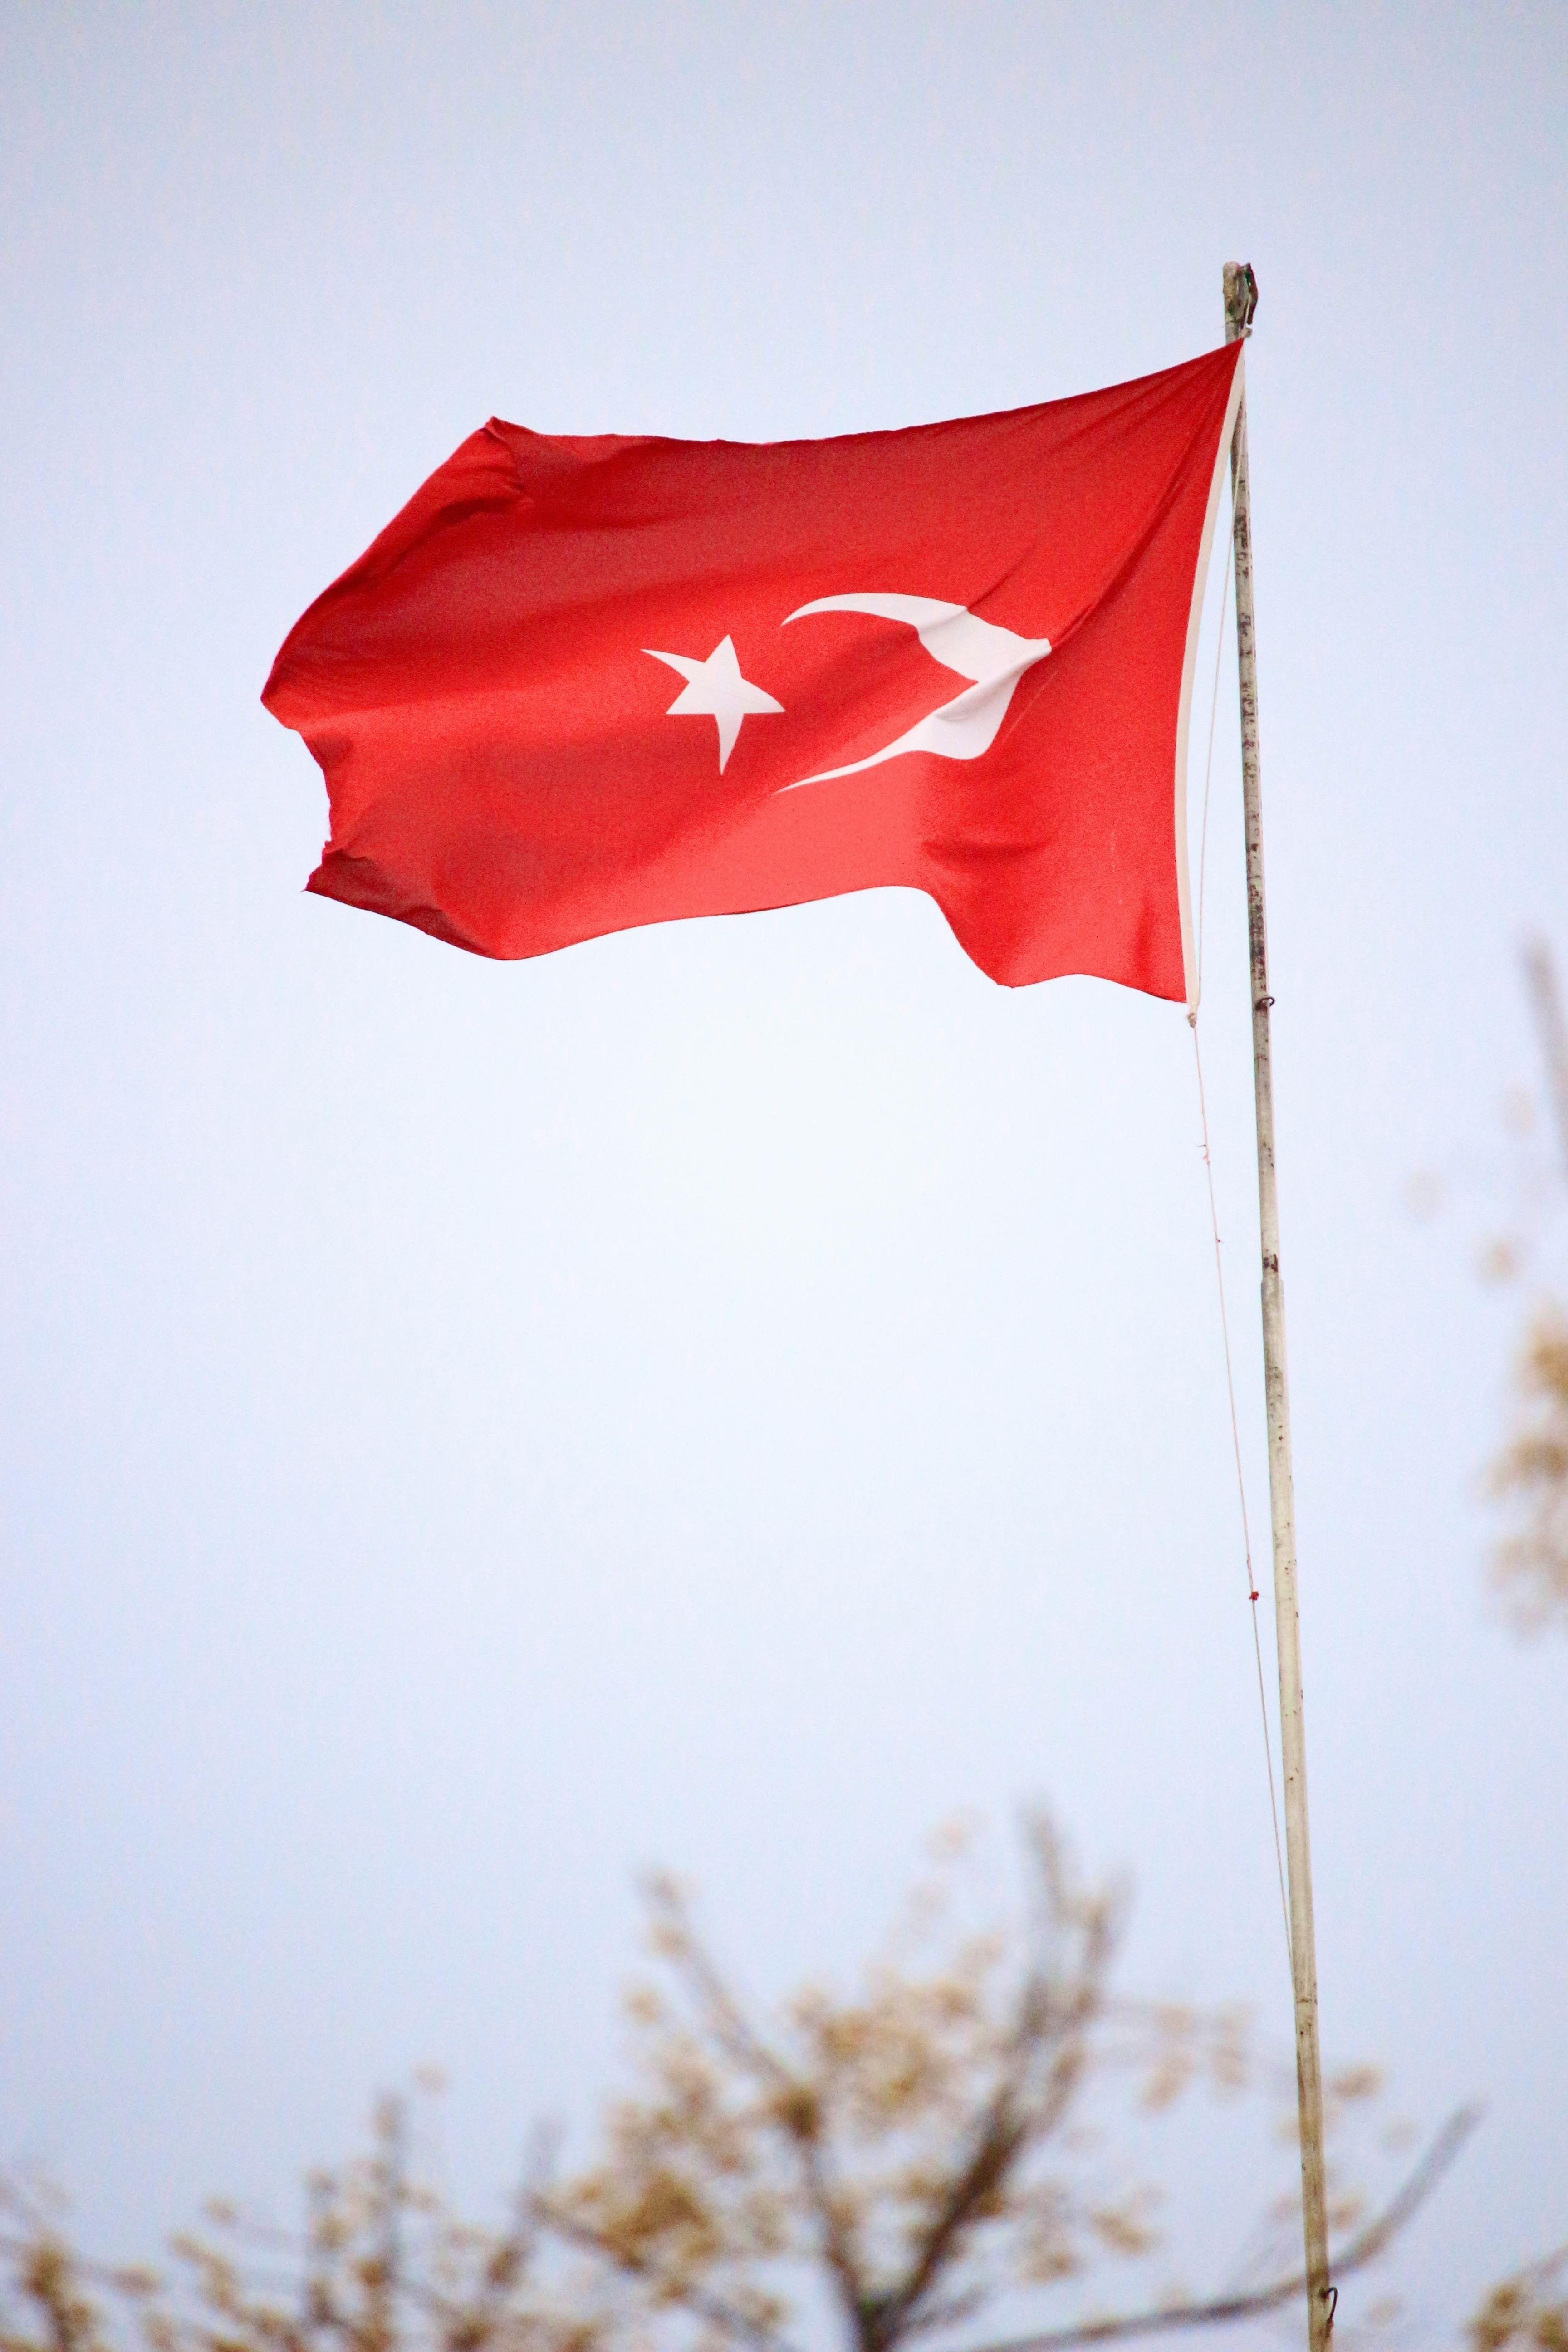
(993, 658)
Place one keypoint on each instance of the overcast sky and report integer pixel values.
(736, 1394)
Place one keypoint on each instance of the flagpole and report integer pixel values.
(1240, 301)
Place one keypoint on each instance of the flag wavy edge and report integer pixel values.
(1190, 966)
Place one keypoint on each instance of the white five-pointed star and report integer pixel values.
(715, 689)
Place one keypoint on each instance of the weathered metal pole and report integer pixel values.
(1240, 301)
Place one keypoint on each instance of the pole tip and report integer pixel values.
(1240, 299)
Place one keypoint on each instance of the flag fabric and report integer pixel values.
(582, 684)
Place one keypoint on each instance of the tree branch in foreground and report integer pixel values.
(1364, 2248)
(727, 2317)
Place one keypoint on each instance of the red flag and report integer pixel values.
(583, 684)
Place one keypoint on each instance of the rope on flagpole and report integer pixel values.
(1219, 1271)
(1241, 1492)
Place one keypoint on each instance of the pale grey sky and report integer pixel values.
(732, 1394)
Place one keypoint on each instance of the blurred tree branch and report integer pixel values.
(1530, 1473)
(1364, 2248)
(1531, 1566)
(888, 2165)
(902, 2159)
(383, 2263)
(1526, 2310)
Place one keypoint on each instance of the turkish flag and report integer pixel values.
(580, 684)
